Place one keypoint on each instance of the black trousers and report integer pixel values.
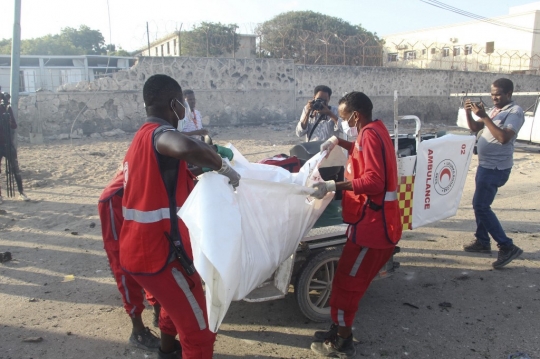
(14, 164)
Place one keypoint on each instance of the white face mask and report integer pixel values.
(348, 130)
(180, 126)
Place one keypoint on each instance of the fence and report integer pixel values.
(461, 58)
(326, 48)
(34, 79)
(321, 48)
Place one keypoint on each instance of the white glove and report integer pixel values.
(329, 144)
(322, 188)
(228, 171)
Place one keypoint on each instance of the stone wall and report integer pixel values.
(249, 92)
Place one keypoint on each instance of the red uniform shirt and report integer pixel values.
(144, 248)
(372, 206)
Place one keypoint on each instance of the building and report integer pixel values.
(50, 72)
(509, 43)
(170, 45)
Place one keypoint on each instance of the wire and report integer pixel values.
(110, 29)
(444, 6)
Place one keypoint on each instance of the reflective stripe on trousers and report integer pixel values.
(126, 296)
(341, 318)
(183, 284)
(113, 225)
(358, 261)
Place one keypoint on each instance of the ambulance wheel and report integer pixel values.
(314, 284)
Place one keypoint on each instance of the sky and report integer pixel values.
(128, 18)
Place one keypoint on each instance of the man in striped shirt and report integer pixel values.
(193, 127)
(319, 121)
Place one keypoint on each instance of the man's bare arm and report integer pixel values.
(503, 135)
(179, 146)
(345, 144)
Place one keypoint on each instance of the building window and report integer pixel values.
(446, 51)
(174, 45)
(424, 52)
(433, 50)
(457, 50)
(168, 48)
(162, 53)
(490, 47)
(410, 55)
(468, 49)
(156, 51)
(393, 57)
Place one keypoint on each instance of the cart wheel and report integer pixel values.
(314, 284)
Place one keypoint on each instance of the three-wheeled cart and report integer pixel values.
(310, 270)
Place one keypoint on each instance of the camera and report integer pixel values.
(318, 104)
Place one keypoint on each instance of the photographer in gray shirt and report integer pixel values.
(495, 146)
(319, 121)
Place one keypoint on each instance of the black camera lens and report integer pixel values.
(318, 104)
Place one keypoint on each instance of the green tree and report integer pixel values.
(112, 51)
(210, 40)
(48, 45)
(311, 37)
(70, 41)
(91, 42)
(5, 46)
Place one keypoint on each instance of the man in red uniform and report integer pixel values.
(370, 207)
(154, 243)
(110, 215)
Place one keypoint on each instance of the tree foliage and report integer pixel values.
(88, 40)
(311, 37)
(210, 40)
(70, 41)
(113, 51)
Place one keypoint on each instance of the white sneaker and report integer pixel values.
(23, 197)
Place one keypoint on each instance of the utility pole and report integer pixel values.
(15, 59)
(148, 38)
(180, 40)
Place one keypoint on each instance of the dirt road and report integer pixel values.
(441, 302)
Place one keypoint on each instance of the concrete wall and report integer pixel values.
(249, 92)
(424, 93)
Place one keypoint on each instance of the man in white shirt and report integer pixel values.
(319, 121)
(193, 127)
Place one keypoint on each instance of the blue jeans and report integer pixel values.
(487, 183)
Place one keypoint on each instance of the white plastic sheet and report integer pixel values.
(240, 238)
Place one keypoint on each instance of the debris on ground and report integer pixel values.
(445, 306)
(33, 340)
(411, 305)
(5, 257)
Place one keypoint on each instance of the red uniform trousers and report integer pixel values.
(110, 213)
(131, 291)
(183, 309)
(356, 269)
